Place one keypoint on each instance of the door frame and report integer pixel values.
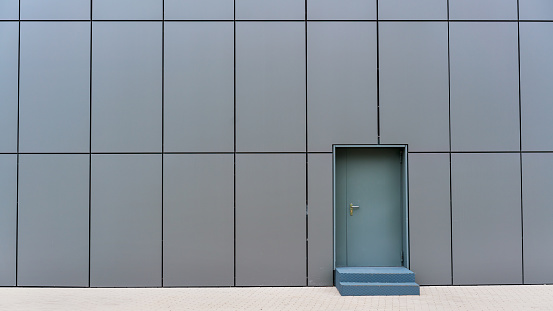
(405, 197)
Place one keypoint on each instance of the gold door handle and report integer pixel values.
(351, 206)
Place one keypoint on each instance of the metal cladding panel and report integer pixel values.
(320, 223)
(483, 9)
(55, 9)
(486, 218)
(198, 220)
(270, 86)
(9, 38)
(484, 86)
(53, 220)
(408, 10)
(199, 9)
(125, 233)
(9, 10)
(127, 9)
(54, 103)
(536, 9)
(429, 218)
(270, 10)
(270, 220)
(199, 87)
(341, 84)
(538, 216)
(126, 86)
(8, 218)
(536, 74)
(341, 9)
(414, 89)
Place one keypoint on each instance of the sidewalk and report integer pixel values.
(527, 297)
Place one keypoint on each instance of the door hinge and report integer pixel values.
(402, 259)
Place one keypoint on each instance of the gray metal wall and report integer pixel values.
(189, 143)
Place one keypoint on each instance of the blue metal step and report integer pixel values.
(376, 281)
(375, 274)
(377, 289)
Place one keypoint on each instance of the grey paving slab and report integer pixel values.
(454, 298)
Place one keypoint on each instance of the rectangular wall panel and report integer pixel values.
(408, 9)
(127, 9)
(341, 84)
(429, 218)
(483, 9)
(199, 86)
(270, 10)
(536, 9)
(125, 241)
(53, 220)
(414, 89)
(198, 220)
(538, 217)
(8, 218)
(54, 103)
(9, 9)
(9, 37)
(484, 86)
(270, 86)
(320, 220)
(199, 9)
(487, 236)
(270, 220)
(536, 76)
(341, 9)
(126, 87)
(55, 9)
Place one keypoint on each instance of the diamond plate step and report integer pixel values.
(375, 274)
(377, 289)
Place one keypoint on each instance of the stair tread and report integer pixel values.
(377, 284)
(374, 270)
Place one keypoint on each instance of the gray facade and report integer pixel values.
(152, 143)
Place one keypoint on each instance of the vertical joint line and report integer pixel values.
(234, 154)
(377, 76)
(90, 150)
(306, 165)
(17, 147)
(450, 165)
(162, 129)
(520, 145)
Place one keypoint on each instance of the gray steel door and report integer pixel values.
(368, 207)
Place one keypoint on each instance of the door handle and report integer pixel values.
(351, 206)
